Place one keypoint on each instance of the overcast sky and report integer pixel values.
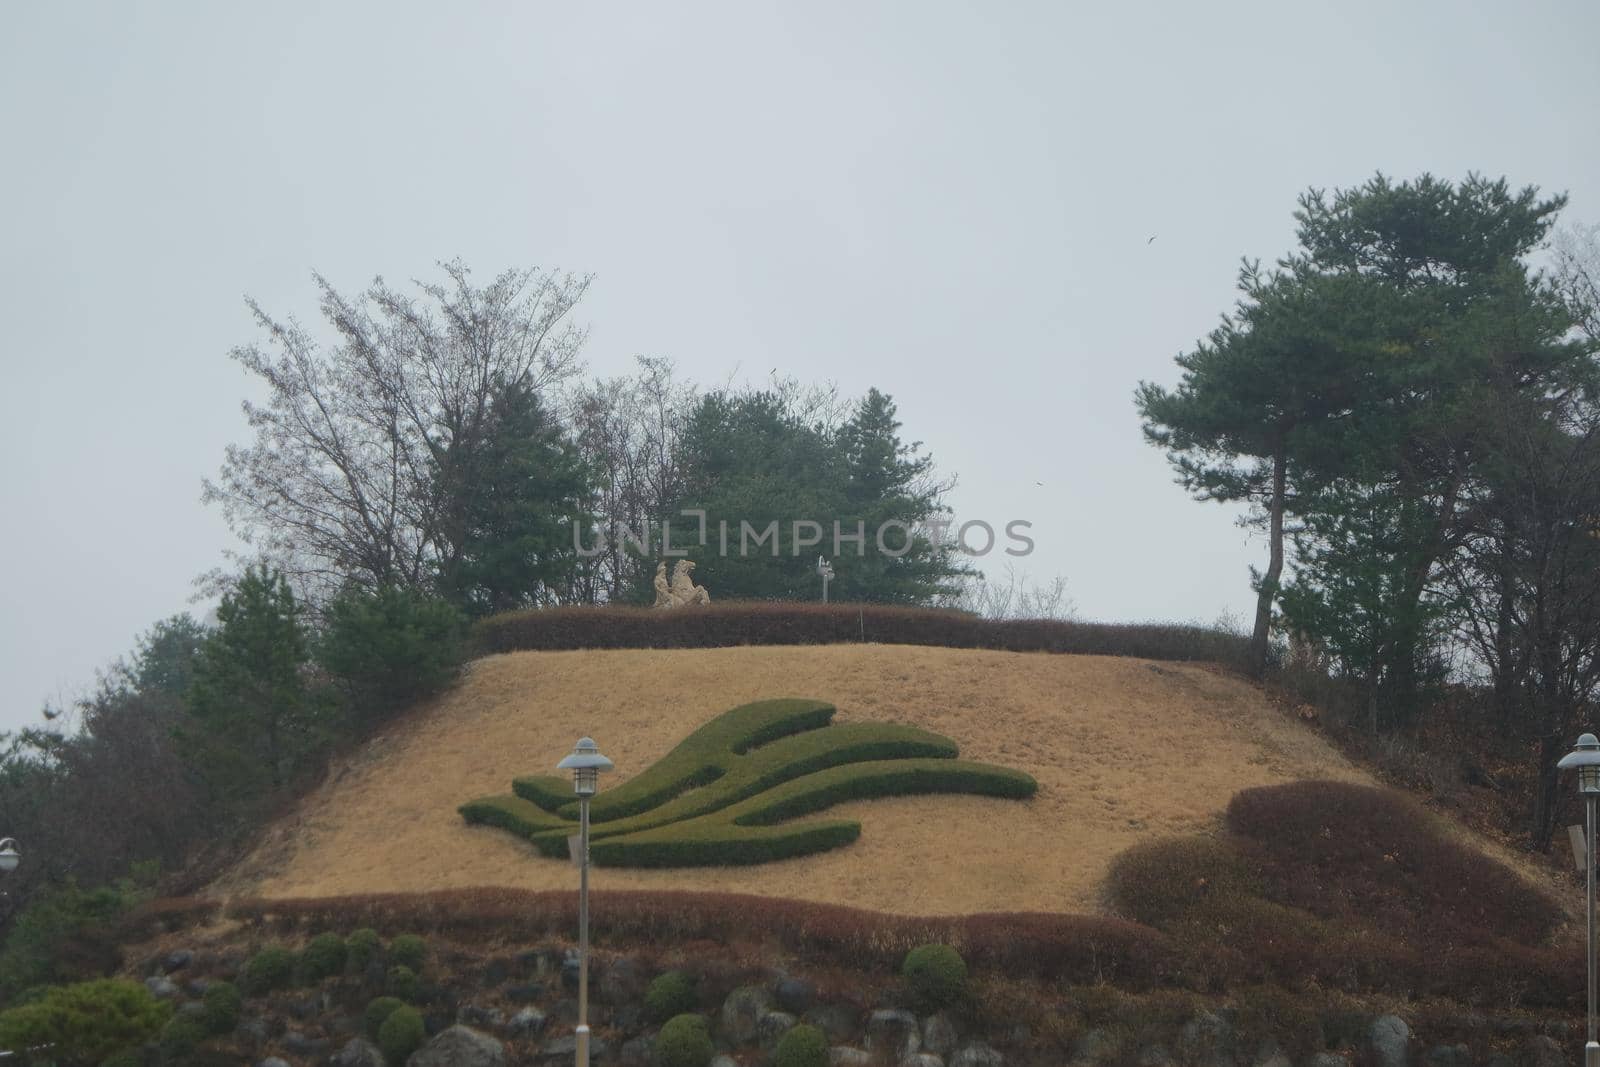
(951, 202)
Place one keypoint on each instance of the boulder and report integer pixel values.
(527, 1022)
(498, 970)
(923, 1059)
(524, 992)
(772, 1026)
(636, 1053)
(570, 973)
(724, 1061)
(1326, 1059)
(622, 980)
(740, 1019)
(894, 1033)
(479, 1016)
(1388, 1037)
(938, 1035)
(358, 1053)
(460, 1046)
(301, 1045)
(161, 987)
(843, 1056)
(176, 960)
(795, 995)
(252, 1032)
(1270, 1054)
(977, 1054)
(273, 1061)
(1542, 1050)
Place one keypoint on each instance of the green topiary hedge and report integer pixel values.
(408, 950)
(669, 994)
(361, 947)
(323, 958)
(936, 976)
(402, 982)
(802, 1046)
(685, 1041)
(222, 1004)
(377, 1011)
(401, 1034)
(270, 969)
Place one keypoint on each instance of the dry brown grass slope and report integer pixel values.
(1123, 749)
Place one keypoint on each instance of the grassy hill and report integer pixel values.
(1124, 750)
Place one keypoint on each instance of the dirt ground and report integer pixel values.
(1123, 750)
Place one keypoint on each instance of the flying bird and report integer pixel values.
(1152, 238)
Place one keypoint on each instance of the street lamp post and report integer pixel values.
(825, 569)
(9, 856)
(585, 763)
(1586, 758)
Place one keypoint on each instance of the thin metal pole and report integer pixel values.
(583, 931)
(1591, 1051)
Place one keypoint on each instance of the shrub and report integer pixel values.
(408, 950)
(391, 647)
(669, 994)
(361, 947)
(402, 982)
(87, 1022)
(323, 958)
(801, 1046)
(377, 1011)
(222, 1005)
(685, 1041)
(935, 975)
(270, 969)
(61, 935)
(181, 1039)
(401, 1034)
(1163, 882)
(731, 623)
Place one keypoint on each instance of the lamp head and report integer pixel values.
(9, 856)
(1585, 758)
(585, 763)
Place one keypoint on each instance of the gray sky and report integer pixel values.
(951, 202)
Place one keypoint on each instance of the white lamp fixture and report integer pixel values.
(585, 763)
(9, 855)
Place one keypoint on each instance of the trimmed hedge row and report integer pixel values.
(747, 832)
(731, 623)
(515, 814)
(702, 757)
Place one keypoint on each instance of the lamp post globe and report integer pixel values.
(10, 856)
(1585, 759)
(585, 763)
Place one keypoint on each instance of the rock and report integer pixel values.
(460, 1046)
(938, 1035)
(161, 987)
(1207, 1040)
(498, 970)
(1542, 1050)
(358, 1053)
(628, 1017)
(564, 1049)
(1326, 1059)
(1388, 1036)
(253, 1032)
(303, 1007)
(977, 1055)
(836, 1021)
(622, 980)
(773, 1025)
(176, 960)
(481, 1017)
(724, 1061)
(524, 992)
(893, 1033)
(795, 995)
(300, 1045)
(1447, 1056)
(741, 1013)
(842, 1056)
(527, 1022)
(1155, 1056)
(569, 974)
(197, 987)
(1270, 1054)
(273, 1061)
(923, 1059)
(1095, 1046)
(636, 1053)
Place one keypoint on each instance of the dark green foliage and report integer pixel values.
(61, 935)
(685, 1041)
(270, 969)
(323, 958)
(391, 647)
(802, 1046)
(87, 1022)
(254, 721)
(379, 1009)
(729, 624)
(401, 1034)
(936, 976)
(402, 982)
(181, 1039)
(222, 1005)
(669, 994)
(408, 950)
(361, 946)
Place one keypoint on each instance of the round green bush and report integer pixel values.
(408, 950)
(669, 994)
(935, 974)
(802, 1046)
(377, 1011)
(360, 948)
(271, 968)
(685, 1041)
(86, 1022)
(323, 958)
(222, 1005)
(402, 982)
(180, 1038)
(401, 1034)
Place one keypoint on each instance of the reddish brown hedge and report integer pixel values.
(773, 623)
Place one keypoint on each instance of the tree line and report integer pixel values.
(1409, 405)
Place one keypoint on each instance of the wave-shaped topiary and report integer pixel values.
(726, 794)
